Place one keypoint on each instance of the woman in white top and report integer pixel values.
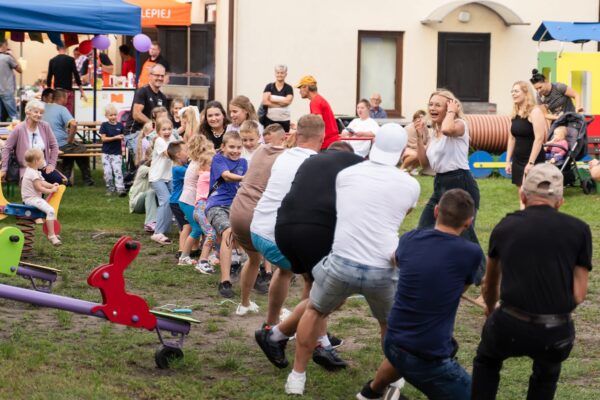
(363, 127)
(447, 154)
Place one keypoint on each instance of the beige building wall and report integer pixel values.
(321, 38)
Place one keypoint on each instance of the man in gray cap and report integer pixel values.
(538, 265)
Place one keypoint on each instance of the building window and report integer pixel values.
(380, 68)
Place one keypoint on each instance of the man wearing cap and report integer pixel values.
(538, 265)
(319, 106)
(369, 214)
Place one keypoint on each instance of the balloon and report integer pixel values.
(85, 47)
(142, 43)
(101, 42)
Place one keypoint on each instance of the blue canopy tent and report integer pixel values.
(576, 32)
(72, 16)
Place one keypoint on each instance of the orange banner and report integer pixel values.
(164, 12)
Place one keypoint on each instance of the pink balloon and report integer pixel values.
(142, 43)
(101, 42)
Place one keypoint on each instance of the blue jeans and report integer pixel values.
(164, 215)
(438, 378)
(7, 100)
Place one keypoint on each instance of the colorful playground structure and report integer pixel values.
(118, 306)
(41, 277)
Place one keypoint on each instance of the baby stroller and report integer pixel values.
(576, 125)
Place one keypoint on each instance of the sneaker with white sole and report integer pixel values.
(186, 260)
(204, 267)
(242, 310)
(295, 385)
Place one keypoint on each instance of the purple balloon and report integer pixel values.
(142, 43)
(101, 42)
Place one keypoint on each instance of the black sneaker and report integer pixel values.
(369, 394)
(275, 351)
(328, 359)
(261, 285)
(225, 289)
(335, 341)
(195, 253)
(268, 277)
(236, 268)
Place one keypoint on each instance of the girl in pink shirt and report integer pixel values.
(200, 151)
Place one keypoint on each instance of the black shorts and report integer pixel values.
(179, 216)
(304, 245)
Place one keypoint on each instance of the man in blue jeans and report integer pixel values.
(418, 343)
(8, 63)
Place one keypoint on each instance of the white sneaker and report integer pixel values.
(241, 310)
(204, 268)
(295, 385)
(187, 260)
(393, 391)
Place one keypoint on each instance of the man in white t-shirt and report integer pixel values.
(309, 138)
(369, 214)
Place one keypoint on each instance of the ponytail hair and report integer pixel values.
(536, 77)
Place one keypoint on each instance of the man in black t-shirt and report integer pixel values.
(540, 260)
(304, 234)
(145, 99)
(63, 70)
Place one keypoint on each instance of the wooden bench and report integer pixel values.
(92, 150)
(89, 131)
(594, 146)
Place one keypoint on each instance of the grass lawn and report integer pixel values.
(51, 354)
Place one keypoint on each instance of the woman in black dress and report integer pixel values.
(527, 133)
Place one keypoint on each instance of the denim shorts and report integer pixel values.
(218, 217)
(337, 278)
(270, 251)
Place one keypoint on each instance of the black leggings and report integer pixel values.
(304, 245)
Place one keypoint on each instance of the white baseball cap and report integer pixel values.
(389, 143)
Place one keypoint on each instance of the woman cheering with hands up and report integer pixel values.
(447, 154)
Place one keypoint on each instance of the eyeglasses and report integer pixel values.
(158, 75)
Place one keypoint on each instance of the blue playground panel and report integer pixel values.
(23, 211)
(480, 156)
(502, 171)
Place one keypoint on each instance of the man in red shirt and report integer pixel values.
(319, 106)
(128, 60)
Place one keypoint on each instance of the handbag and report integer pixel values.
(13, 170)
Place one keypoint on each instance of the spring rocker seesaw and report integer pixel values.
(25, 218)
(118, 306)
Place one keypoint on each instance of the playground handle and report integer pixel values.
(77, 306)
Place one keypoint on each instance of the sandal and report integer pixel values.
(160, 239)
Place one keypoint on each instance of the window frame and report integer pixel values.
(399, 36)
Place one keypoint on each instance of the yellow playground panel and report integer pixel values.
(579, 70)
